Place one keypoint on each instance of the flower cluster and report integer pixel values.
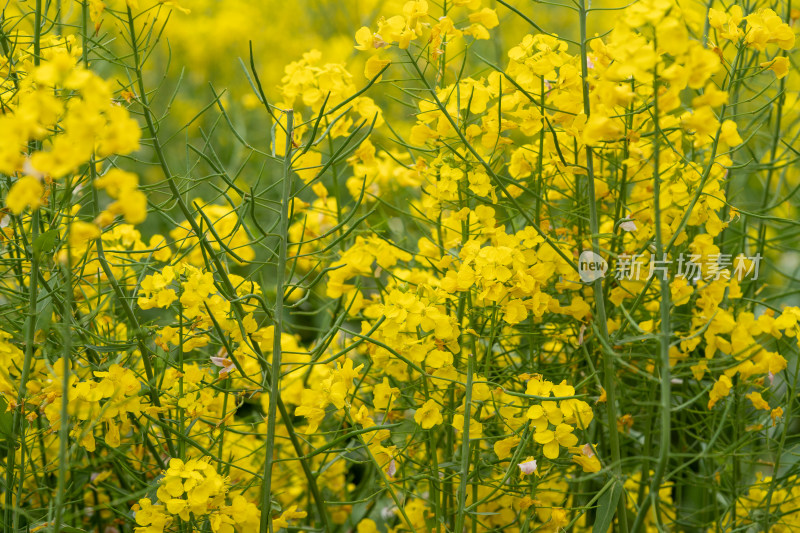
(275, 294)
(194, 490)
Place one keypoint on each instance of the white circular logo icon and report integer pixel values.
(591, 266)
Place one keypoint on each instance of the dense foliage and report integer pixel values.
(477, 265)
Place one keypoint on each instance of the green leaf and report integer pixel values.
(45, 242)
(6, 420)
(606, 508)
(44, 315)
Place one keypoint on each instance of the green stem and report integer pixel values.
(462, 488)
(274, 391)
(63, 431)
(33, 293)
(665, 331)
(37, 33)
(19, 410)
(609, 377)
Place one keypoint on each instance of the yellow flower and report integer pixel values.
(552, 439)
(536, 386)
(290, 513)
(558, 520)
(600, 128)
(25, 192)
(514, 312)
(428, 415)
(775, 414)
(758, 401)
(152, 517)
(680, 291)
(729, 135)
(367, 525)
(383, 394)
(115, 181)
(374, 66)
(168, 3)
(699, 370)
(586, 458)
(727, 23)
(486, 17)
(80, 233)
(161, 251)
(439, 358)
(154, 291)
(307, 165)
(779, 65)
(764, 27)
(702, 122)
(475, 427)
(503, 447)
(720, 389)
(246, 513)
(132, 205)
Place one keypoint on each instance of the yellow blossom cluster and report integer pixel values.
(534, 270)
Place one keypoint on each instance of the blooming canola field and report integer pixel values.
(399, 266)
